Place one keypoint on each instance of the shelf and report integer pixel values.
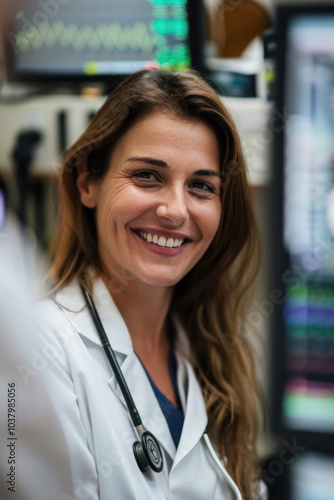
(252, 118)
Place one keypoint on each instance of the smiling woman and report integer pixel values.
(156, 239)
(157, 208)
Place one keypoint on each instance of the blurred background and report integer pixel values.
(272, 63)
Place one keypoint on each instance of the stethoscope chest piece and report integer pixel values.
(148, 453)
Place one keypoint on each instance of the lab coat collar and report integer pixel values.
(72, 302)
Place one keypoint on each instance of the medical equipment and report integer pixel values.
(147, 452)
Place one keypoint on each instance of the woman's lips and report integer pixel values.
(168, 243)
(161, 241)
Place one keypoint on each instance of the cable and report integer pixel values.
(230, 481)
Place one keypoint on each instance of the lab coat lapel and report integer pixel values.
(196, 419)
(192, 400)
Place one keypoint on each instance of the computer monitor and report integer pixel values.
(302, 232)
(80, 40)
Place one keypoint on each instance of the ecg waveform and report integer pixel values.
(108, 36)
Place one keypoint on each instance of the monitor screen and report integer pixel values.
(304, 223)
(85, 39)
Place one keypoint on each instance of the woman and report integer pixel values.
(157, 226)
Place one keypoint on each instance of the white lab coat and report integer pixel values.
(90, 417)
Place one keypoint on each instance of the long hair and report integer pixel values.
(208, 300)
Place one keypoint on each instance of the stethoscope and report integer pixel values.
(147, 451)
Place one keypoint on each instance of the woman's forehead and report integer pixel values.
(169, 134)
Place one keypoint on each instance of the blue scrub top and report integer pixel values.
(173, 414)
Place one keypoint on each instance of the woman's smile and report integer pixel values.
(162, 243)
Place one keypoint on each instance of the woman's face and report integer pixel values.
(158, 207)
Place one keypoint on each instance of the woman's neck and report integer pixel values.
(144, 309)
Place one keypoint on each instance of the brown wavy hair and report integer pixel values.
(209, 299)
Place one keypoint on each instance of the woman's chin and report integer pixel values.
(160, 280)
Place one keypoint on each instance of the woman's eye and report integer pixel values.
(145, 176)
(203, 187)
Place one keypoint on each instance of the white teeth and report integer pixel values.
(162, 241)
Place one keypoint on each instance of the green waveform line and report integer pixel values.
(166, 3)
(108, 36)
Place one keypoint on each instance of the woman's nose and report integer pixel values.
(173, 206)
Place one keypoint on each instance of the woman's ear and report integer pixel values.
(86, 188)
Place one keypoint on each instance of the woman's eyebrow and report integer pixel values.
(210, 173)
(160, 163)
(149, 160)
